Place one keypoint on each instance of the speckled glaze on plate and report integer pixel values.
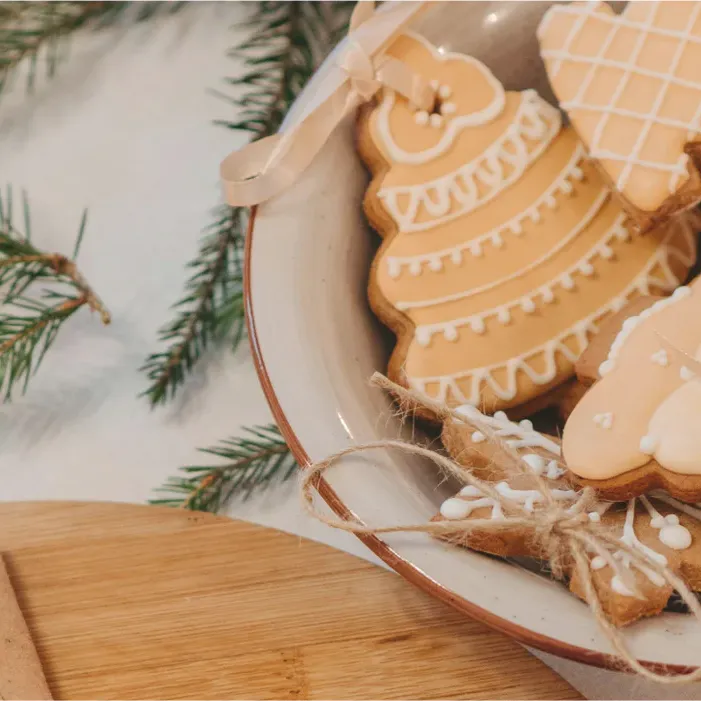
(316, 343)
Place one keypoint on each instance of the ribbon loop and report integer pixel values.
(267, 167)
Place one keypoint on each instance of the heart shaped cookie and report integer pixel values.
(502, 248)
(631, 86)
(637, 428)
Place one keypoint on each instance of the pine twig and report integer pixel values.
(288, 42)
(32, 30)
(31, 318)
(252, 462)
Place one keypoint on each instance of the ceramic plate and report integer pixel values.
(316, 344)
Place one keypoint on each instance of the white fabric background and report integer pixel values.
(125, 130)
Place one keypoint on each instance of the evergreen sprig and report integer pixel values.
(251, 462)
(32, 314)
(36, 31)
(288, 41)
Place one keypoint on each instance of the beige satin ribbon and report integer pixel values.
(269, 166)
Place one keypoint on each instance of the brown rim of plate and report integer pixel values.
(403, 567)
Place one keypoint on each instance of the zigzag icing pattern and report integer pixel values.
(557, 346)
(514, 226)
(545, 293)
(535, 120)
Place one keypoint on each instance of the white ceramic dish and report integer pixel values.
(316, 344)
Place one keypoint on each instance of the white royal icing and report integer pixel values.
(660, 358)
(630, 324)
(482, 179)
(604, 421)
(513, 227)
(503, 312)
(630, 157)
(643, 284)
(453, 127)
(516, 435)
(686, 374)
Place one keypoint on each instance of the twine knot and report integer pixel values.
(361, 71)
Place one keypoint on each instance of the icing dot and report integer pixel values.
(606, 252)
(594, 517)
(672, 519)
(527, 305)
(423, 336)
(660, 358)
(598, 563)
(535, 462)
(477, 324)
(456, 256)
(497, 240)
(606, 367)
(685, 373)
(455, 508)
(618, 304)
(415, 267)
(622, 234)
(470, 491)
(504, 315)
(577, 173)
(478, 437)
(434, 84)
(550, 202)
(604, 420)
(516, 228)
(448, 108)
(526, 425)
(445, 92)
(535, 215)
(586, 268)
(648, 445)
(547, 294)
(476, 249)
(435, 264)
(450, 333)
(566, 187)
(567, 282)
(421, 117)
(675, 536)
(436, 120)
(394, 267)
(501, 416)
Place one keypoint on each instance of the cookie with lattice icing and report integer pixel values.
(667, 529)
(630, 85)
(502, 249)
(637, 428)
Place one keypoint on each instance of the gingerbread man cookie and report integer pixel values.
(637, 428)
(630, 85)
(661, 526)
(503, 250)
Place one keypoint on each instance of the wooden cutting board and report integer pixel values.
(128, 602)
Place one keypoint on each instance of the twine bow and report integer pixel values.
(565, 534)
(269, 166)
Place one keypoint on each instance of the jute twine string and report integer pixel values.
(565, 534)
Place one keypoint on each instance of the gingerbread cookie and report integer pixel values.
(503, 250)
(637, 428)
(666, 529)
(630, 86)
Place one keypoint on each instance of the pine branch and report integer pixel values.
(252, 462)
(34, 30)
(31, 318)
(288, 42)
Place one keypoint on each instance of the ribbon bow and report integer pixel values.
(269, 166)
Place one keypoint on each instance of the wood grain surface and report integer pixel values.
(137, 602)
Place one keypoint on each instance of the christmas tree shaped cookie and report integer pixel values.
(503, 250)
